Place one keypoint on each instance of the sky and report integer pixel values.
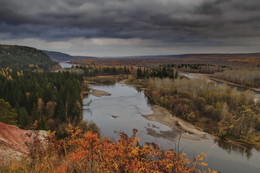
(132, 27)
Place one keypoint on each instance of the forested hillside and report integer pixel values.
(59, 56)
(53, 99)
(24, 58)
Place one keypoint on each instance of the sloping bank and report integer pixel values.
(17, 144)
(163, 116)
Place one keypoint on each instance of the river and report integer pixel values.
(66, 64)
(123, 110)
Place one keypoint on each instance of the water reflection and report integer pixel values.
(88, 111)
(242, 149)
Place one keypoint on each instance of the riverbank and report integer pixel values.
(163, 116)
(163, 97)
(109, 79)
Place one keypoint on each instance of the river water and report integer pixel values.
(123, 110)
(66, 64)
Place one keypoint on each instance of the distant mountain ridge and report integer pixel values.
(192, 55)
(251, 59)
(85, 57)
(24, 58)
(61, 57)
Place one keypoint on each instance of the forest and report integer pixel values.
(218, 109)
(199, 68)
(93, 70)
(138, 72)
(53, 99)
(156, 72)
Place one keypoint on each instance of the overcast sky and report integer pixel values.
(132, 27)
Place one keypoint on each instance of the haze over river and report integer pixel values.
(123, 110)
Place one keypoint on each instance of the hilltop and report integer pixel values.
(59, 56)
(24, 58)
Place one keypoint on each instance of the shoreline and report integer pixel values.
(98, 93)
(163, 116)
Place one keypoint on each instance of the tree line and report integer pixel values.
(160, 72)
(244, 77)
(93, 70)
(199, 68)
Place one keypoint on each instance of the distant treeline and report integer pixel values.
(160, 72)
(92, 70)
(140, 72)
(198, 68)
(247, 77)
(53, 99)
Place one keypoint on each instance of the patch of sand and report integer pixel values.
(99, 93)
(163, 116)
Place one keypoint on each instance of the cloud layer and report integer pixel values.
(147, 26)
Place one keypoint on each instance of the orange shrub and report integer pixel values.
(88, 153)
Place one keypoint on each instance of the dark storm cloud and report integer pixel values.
(169, 21)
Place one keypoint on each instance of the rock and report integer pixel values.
(15, 143)
(114, 116)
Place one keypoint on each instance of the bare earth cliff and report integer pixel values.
(15, 143)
